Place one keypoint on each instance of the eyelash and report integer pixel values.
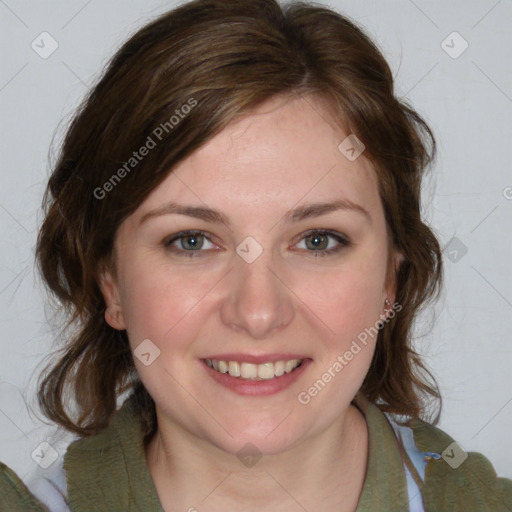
(342, 240)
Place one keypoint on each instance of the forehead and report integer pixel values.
(286, 152)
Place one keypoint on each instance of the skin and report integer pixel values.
(290, 299)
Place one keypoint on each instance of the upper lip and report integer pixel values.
(249, 358)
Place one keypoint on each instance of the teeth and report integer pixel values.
(279, 368)
(248, 370)
(234, 369)
(252, 371)
(290, 365)
(266, 371)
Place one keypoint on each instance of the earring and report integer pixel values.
(386, 306)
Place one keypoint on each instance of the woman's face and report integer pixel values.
(291, 265)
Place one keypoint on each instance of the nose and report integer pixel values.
(257, 302)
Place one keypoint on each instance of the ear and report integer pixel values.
(393, 267)
(109, 288)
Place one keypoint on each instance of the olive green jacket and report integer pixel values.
(108, 472)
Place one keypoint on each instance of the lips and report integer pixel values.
(257, 386)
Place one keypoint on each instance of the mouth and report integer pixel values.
(254, 372)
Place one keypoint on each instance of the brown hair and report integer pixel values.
(228, 57)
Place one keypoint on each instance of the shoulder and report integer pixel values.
(108, 470)
(455, 479)
(41, 489)
(97, 461)
(15, 495)
(43, 485)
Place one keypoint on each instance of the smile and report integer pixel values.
(250, 371)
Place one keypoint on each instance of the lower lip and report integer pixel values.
(257, 387)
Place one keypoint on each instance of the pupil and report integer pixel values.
(192, 242)
(317, 241)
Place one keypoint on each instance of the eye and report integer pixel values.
(316, 241)
(322, 242)
(187, 243)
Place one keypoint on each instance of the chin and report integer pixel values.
(261, 436)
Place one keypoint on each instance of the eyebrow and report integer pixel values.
(296, 215)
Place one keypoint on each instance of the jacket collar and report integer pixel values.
(385, 487)
(108, 471)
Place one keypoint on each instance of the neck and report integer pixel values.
(324, 472)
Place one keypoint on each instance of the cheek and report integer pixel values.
(348, 299)
(158, 300)
(347, 304)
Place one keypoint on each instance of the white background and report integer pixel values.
(466, 100)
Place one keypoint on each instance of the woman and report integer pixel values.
(234, 226)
